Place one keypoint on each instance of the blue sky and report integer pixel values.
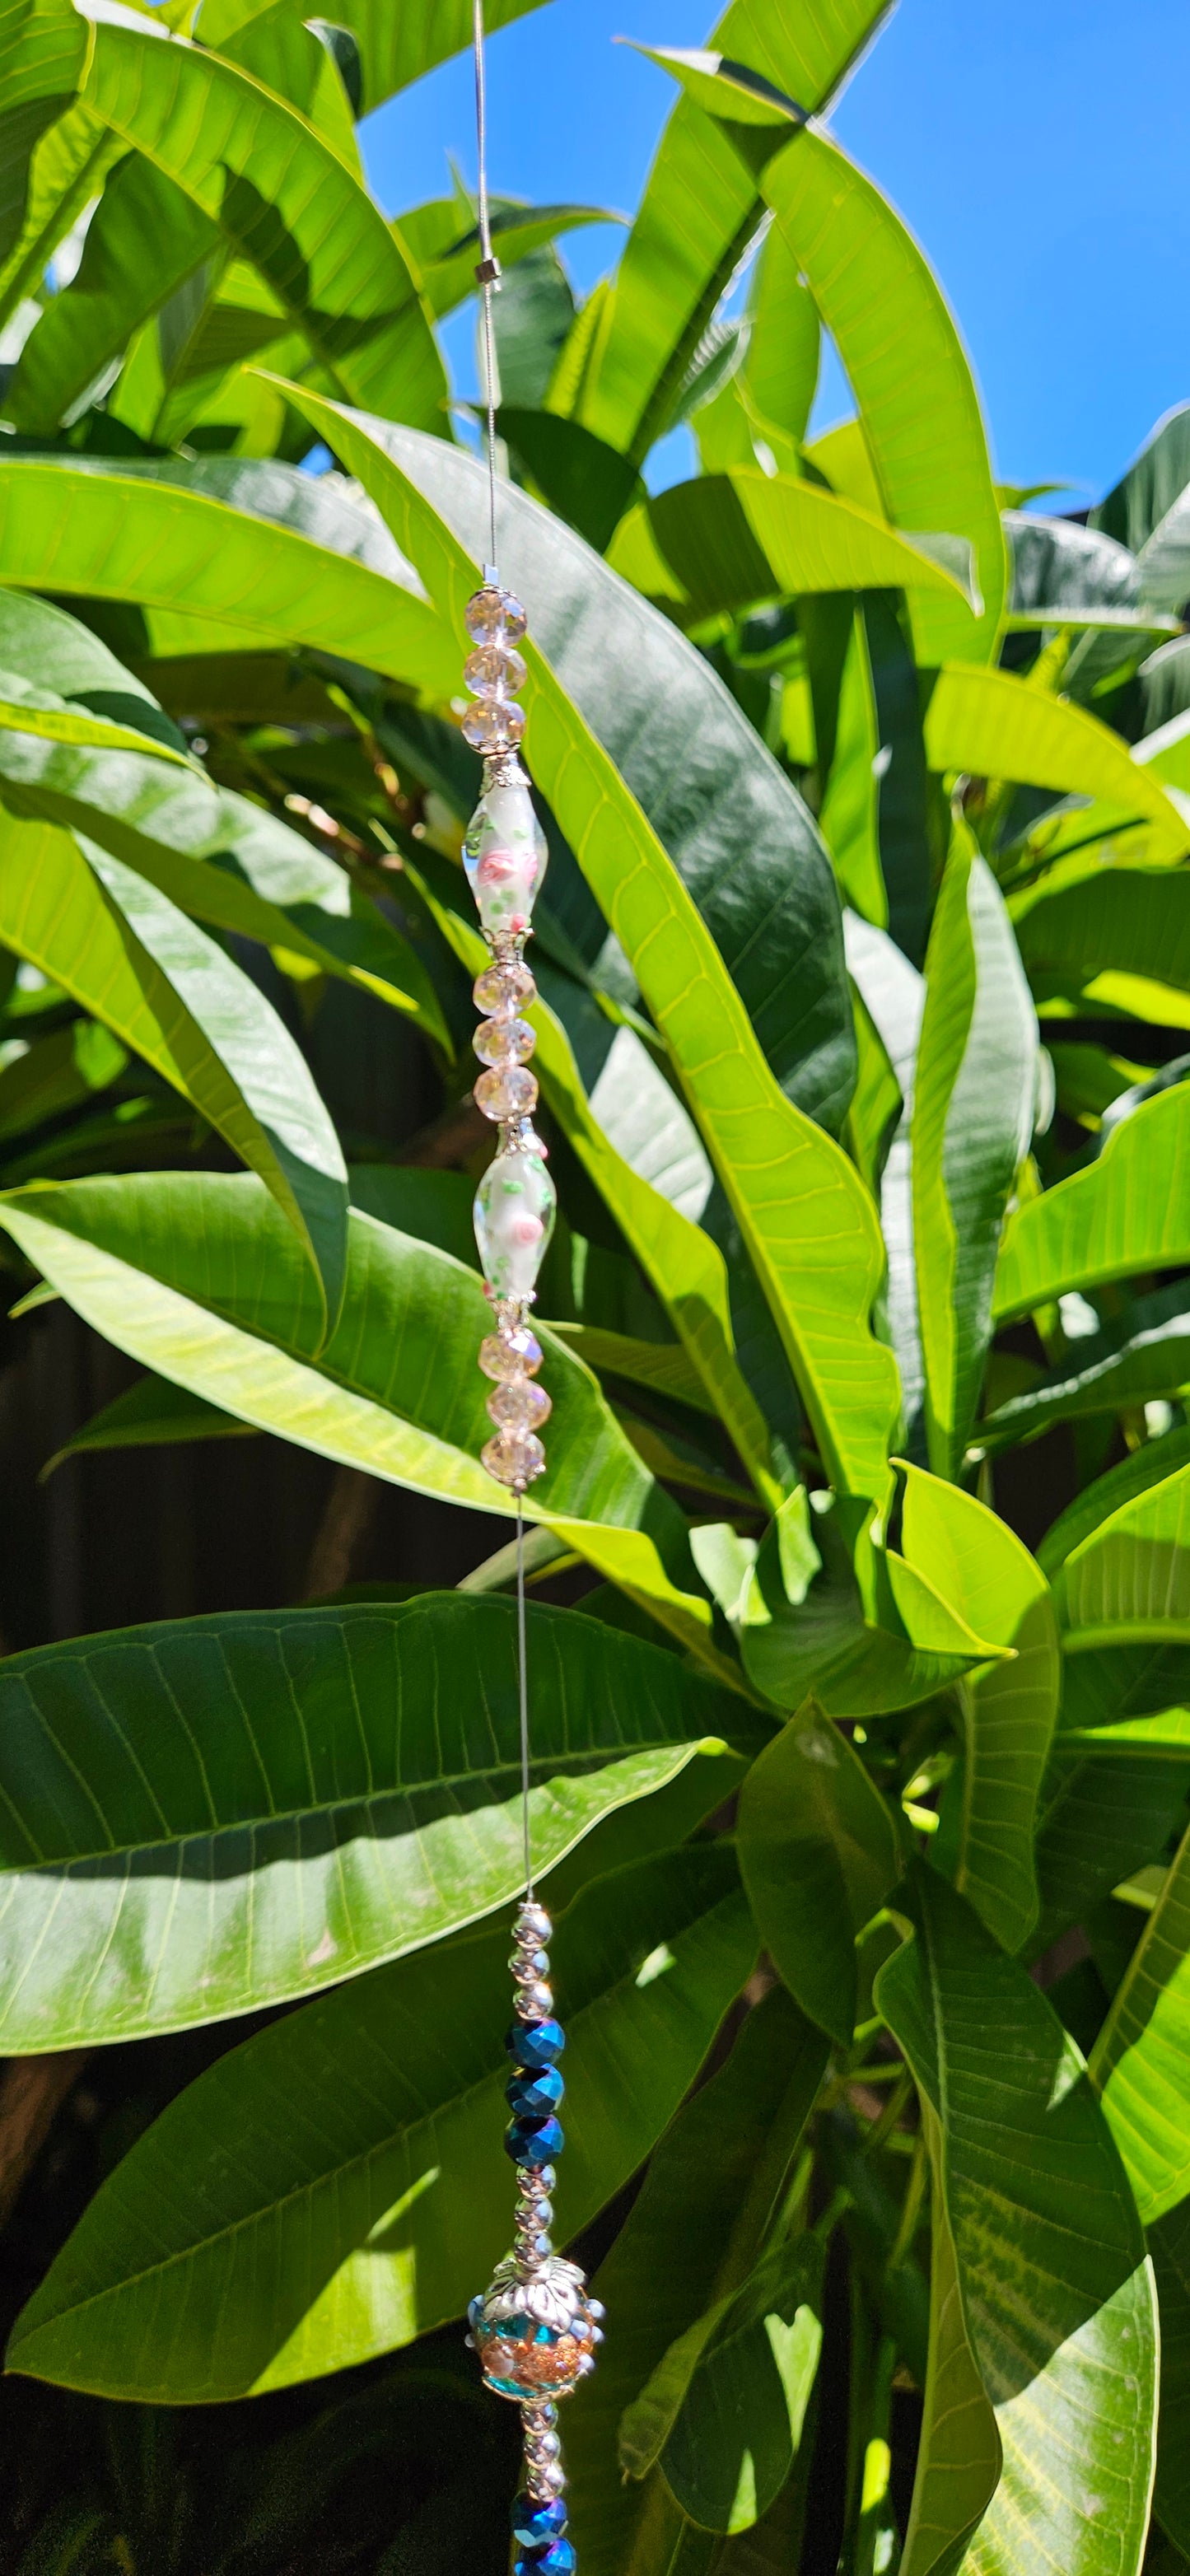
(1038, 149)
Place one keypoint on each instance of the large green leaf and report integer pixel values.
(111, 534)
(1141, 1355)
(51, 650)
(192, 1275)
(901, 349)
(338, 2184)
(1148, 1465)
(1152, 484)
(819, 1852)
(1053, 2337)
(1120, 921)
(129, 956)
(1140, 2060)
(207, 1816)
(741, 536)
(284, 200)
(1128, 1582)
(803, 1211)
(994, 725)
(1169, 2243)
(215, 855)
(699, 212)
(691, 2237)
(1008, 1710)
(1098, 1822)
(1127, 1212)
(43, 47)
(395, 46)
(725, 2411)
(972, 1119)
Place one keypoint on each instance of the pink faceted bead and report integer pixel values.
(504, 988)
(513, 1458)
(504, 1041)
(519, 1406)
(495, 670)
(508, 1091)
(510, 1354)
(494, 724)
(492, 614)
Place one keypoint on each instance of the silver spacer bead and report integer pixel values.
(533, 1923)
(534, 2002)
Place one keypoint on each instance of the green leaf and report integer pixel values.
(1127, 1212)
(972, 1120)
(1079, 940)
(1142, 1354)
(819, 1852)
(1153, 483)
(804, 1213)
(43, 46)
(1140, 2058)
(699, 212)
(150, 1415)
(129, 956)
(982, 1568)
(53, 652)
(588, 484)
(1064, 2352)
(808, 1624)
(354, 2189)
(734, 538)
(192, 1274)
(395, 47)
(215, 855)
(1170, 2249)
(27, 710)
(1099, 1821)
(210, 1815)
(114, 534)
(992, 725)
(901, 351)
(283, 200)
(713, 2183)
(1147, 1466)
(1128, 1582)
(726, 2408)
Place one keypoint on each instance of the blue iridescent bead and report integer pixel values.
(536, 2521)
(558, 2559)
(535, 2043)
(534, 2094)
(533, 2142)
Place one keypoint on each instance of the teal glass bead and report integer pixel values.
(533, 2142)
(535, 2043)
(536, 2521)
(536, 2095)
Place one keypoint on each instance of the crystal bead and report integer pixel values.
(513, 1213)
(543, 2445)
(534, 2522)
(506, 987)
(504, 1041)
(494, 724)
(505, 850)
(536, 2043)
(550, 2478)
(495, 666)
(509, 1091)
(558, 2560)
(516, 1459)
(510, 1354)
(493, 613)
(519, 1408)
(530, 2095)
(532, 2141)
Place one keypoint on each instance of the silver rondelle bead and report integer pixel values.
(533, 1920)
(535, 2002)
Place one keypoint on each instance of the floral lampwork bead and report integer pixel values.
(515, 1206)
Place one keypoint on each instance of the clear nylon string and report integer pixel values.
(523, 1672)
(485, 246)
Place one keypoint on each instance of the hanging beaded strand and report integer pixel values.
(534, 2327)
